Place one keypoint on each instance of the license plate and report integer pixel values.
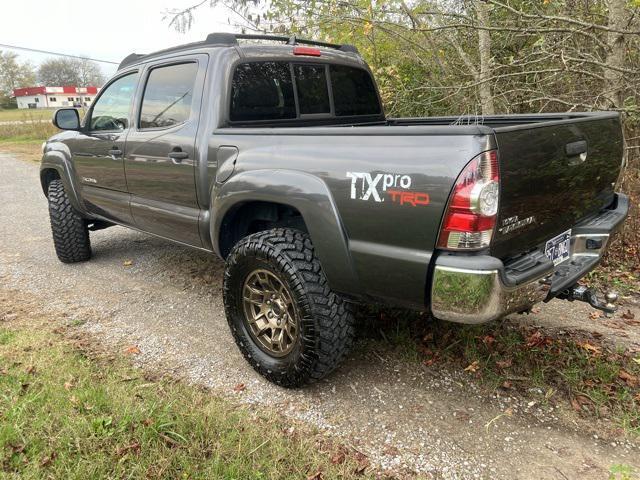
(557, 249)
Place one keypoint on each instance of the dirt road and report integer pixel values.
(404, 416)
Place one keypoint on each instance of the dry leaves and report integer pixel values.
(591, 348)
(127, 263)
(628, 315)
(504, 364)
(132, 350)
(628, 378)
(239, 387)
(473, 367)
(537, 339)
(132, 447)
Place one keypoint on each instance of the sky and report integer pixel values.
(106, 30)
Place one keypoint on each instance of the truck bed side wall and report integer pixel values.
(389, 243)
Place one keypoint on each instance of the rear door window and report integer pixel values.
(167, 96)
(353, 91)
(262, 91)
(313, 93)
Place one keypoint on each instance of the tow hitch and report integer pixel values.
(585, 294)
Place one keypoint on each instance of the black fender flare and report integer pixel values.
(58, 159)
(311, 197)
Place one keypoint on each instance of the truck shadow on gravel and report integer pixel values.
(572, 368)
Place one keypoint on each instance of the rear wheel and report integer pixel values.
(288, 324)
(69, 229)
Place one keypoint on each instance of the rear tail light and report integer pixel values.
(471, 214)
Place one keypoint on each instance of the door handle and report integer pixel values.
(115, 152)
(178, 155)
(576, 149)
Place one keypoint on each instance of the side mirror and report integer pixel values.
(67, 119)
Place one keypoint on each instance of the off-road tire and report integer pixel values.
(326, 322)
(69, 229)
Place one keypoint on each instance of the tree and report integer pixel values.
(70, 71)
(14, 74)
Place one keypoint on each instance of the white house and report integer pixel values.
(55, 97)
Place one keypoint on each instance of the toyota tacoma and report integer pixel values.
(275, 154)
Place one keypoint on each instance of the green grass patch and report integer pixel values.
(23, 114)
(67, 413)
(576, 369)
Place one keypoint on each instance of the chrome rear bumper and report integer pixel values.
(477, 296)
(478, 289)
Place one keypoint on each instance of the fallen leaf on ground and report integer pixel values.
(504, 363)
(30, 369)
(46, 461)
(127, 263)
(637, 360)
(239, 387)
(132, 447)
(488, 340)
(68, 385)
(363, 463)
(576, 406)
(338, 458)
(536, 339)
(591, 348)
(628, 315)
(132, 350)
(473, 367)
(391, 450)
(315, 476)
(507, 384)
(628, 378)
(595, 315)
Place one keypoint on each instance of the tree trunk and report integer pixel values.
(484, 48)
(616, 44)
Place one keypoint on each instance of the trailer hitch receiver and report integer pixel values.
(585, 294)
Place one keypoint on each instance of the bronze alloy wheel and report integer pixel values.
(270, 313)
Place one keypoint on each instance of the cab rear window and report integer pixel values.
(273, 91)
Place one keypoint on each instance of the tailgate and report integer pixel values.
(553, 175)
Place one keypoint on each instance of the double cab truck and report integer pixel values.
(275, 154)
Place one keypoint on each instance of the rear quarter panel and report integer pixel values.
(390, 243)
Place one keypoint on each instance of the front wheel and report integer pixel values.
(288, 324)
(69, 229)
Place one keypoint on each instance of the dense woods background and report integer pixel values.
(475, 57)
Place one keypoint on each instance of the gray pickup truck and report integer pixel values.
(275, 154)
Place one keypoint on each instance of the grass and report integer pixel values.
(70, 412)
(578, 371)
(17, 114)
(25, 140)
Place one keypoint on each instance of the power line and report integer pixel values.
(57, 53)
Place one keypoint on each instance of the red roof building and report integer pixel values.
(55, 97)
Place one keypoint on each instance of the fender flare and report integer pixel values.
(311, 197)
(59, 161)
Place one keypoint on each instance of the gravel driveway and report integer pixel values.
(404, 417)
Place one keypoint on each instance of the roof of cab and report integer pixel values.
(231, 39)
